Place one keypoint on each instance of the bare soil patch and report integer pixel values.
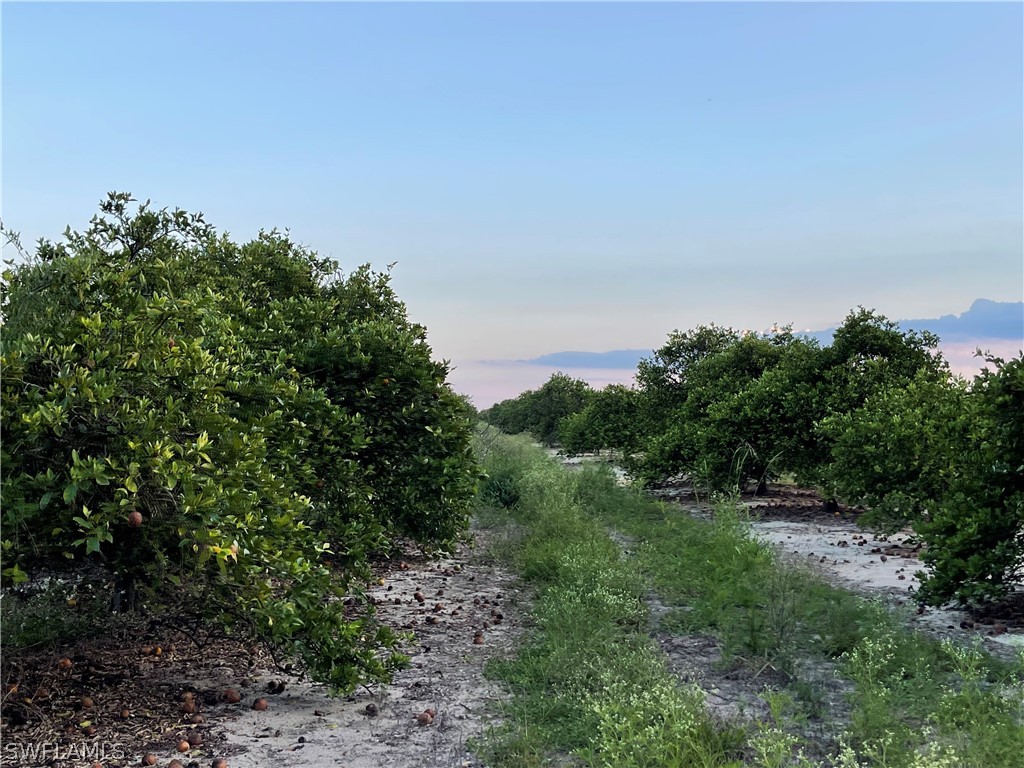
(458, 611)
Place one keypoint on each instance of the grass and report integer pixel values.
(589, 682)
(50, 617)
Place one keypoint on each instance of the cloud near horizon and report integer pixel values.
(985, 321)
(489, 382)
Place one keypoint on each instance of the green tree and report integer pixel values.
(710, 434)
(540, 411)
(664, 378)
(610, 420)
(168, 418)
(728, 409)
(903, 451)
(975, 536)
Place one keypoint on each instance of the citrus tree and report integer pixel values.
(169, 419)
(612, 419)
(728, 408)
(540, 411)
(975, 537)
(946, 457)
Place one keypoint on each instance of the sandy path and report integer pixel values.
(304, 727)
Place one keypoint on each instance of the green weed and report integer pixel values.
(588, 682)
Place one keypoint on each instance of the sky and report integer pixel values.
(547, 176)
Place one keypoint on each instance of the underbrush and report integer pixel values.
(50, 617)
(590, 683)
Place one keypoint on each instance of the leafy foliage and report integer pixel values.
(729, 408)
(944, 456)
(610, 420)
(225, 419)
(713, 434)
(902, 451)
(540, 412)
(976, 535)
(875, 418)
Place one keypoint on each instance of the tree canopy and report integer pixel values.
(239, 423)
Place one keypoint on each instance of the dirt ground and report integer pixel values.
(461, 611)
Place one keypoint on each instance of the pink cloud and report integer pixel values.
(961, 354)
(489, 383)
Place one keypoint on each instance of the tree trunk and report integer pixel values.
(126, 595)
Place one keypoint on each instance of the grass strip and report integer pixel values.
(916, 701)
(588, 682)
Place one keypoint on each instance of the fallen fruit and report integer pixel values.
(220, 762)
(175, 764)
(149, 759)
(188, 707)
(260, 705)
(125, 714)
(183, 746)
(371, 709)
(424, 718)
(196, 719)
(231, 696)
(195, 739)
(65, 663)
(87, 702)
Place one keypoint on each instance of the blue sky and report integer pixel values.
(552, 176)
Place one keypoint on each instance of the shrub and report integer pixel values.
(188, 413)
(541, 411)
